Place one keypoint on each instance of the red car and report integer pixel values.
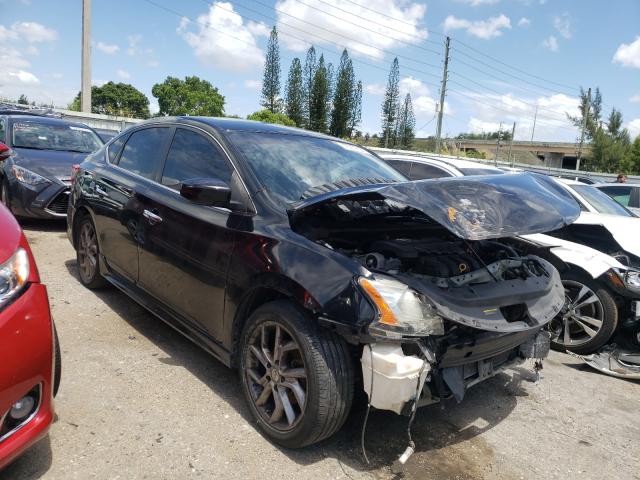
(29, 351)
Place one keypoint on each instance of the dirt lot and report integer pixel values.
(139, 401)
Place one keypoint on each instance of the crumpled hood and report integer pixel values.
(48, 163)
(625, 230)
(473, 208)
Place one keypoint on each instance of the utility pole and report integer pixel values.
(535, 117)
(513, 132)
(585, 115)
(85, 97)
(495, 160)
(443, 91)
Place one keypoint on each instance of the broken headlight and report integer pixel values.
(632, 280)
(401, 310)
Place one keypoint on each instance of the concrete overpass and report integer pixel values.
(552, 154)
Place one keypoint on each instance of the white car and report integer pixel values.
(602, 284)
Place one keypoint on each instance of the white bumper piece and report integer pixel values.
(391, 378)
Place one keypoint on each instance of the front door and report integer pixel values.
(184, 260)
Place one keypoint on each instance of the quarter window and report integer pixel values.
(141, 154)
(422, 171)
(400, 165)
(114, 149)
(193, 156)
(622, 195)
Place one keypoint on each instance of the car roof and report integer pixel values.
(48, 120)
(567, 181)
(454, 162)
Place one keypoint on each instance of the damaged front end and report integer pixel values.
(454, 303)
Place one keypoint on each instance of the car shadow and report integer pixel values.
(39, 225)
(436, 429)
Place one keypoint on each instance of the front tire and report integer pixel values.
(88, 254)
(296, 377)
(588, 319)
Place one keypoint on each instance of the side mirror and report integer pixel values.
(211, 192)
(5, 152)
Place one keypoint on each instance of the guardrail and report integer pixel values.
(563, 172)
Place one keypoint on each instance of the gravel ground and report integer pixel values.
(139, 401)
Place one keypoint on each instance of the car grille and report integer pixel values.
(59, 203)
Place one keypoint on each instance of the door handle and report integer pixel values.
(151, 217)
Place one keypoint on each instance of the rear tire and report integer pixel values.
(313, 401)
(88, 254)
(588, 319)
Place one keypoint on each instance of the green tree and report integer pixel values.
(593, 113)
(343, 98)
(267, 116)
(390, 105)
(120, 99)
(308, 75)
(271, 80)
(631, 163)
(294, 99)
(356, 109)
(319, 98)
(406, 124)
(23, 100)
(191, 96)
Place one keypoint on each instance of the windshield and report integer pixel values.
(602, 202)
(54, 136)
(288, 165)
(480, 171)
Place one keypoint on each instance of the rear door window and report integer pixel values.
(622, 195)
(114, 149)
(192, 155)
(401, 165)
(422, 171)
(143, 152)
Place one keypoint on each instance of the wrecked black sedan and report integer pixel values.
(303, 260)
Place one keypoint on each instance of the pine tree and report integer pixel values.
(271, 80)
(319, 98)
(390, 104)
(406, 124)
(356, 109)
(343, 98)
(295, 94)
(308, 75)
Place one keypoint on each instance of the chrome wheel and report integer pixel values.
(87, 252)
(581, 318)
(276, 377)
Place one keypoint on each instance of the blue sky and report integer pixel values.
(508, 56)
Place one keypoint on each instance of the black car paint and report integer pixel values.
(205, 269)
(33, 200)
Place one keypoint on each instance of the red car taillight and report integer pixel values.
(74, 171)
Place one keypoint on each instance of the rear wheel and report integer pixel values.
(297, 378)
(588, 318)
(88, 254)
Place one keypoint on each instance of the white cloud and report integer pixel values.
(524, 22)
(11, 59)
(485, 29)
(107, 48)
(413, 86)
(221, 39)
(253, 84)
(628, 54)
(374, 88)
(635, 98)
(153, 64)
(123, 74)
(346, 30)
(57, 75)
(98, 82)
(477, 3)
(478, 126)
(634, 127)
(31, 32)
(23, 76)
(551, 43)
(564, 25)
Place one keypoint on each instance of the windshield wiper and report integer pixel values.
(29, 147)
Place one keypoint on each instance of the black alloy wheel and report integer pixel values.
(87, 254)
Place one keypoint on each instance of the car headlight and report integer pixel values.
(401, 310)
(27, 176)
(14, 274)
(632, 280)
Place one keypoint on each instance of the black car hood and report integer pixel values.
(48, 163)
(473, 208)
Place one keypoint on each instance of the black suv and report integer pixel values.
(301, 259)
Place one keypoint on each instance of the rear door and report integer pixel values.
(187, 248)
(119, 194)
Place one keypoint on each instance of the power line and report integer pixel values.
(570, 87)
(369, 29)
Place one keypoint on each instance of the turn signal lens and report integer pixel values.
(386, 314)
